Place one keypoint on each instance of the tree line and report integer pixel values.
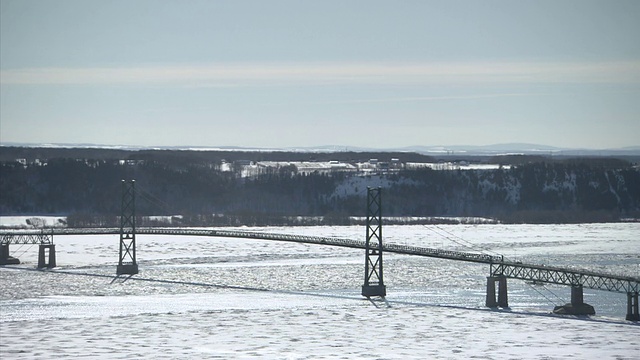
(88, 191)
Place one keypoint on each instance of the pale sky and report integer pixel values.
(379, 74)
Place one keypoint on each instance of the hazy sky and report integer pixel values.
(307, 73)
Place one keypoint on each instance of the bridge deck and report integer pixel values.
(499, 267)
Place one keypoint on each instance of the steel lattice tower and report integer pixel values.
(373, 275)
(127, 260)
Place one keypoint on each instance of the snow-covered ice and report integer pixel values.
(199, 297)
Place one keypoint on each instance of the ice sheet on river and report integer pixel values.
(232, 298)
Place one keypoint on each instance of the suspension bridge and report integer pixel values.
(500, 269)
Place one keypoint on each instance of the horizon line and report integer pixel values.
(527, 147)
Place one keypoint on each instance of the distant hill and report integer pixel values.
(438, 150)
(525, 149)
(84, 183)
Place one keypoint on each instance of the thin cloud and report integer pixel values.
(335, 73)
(433, 98)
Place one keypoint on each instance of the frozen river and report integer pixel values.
(198, 297)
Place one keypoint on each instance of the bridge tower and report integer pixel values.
(127, 260)
(373, 275)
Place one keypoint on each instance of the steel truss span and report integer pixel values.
(562, 276)
(26, 238)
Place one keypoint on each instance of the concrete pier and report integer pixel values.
(577, 295)
(5, 258)
(127, 269)
(503, 298)
(374, 290)
(577, 305)
(633, 313)
(491, 292)
(42, 256)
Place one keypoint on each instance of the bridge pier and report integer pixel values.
(503, 298)
(577, 295)
(42, 258)
(5, 258)
(633, 314)
(577, 305)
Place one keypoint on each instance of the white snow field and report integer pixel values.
(219, 298)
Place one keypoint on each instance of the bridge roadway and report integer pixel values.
(499, 266)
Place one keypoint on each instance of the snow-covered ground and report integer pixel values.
(198, 297)
(29, 222)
